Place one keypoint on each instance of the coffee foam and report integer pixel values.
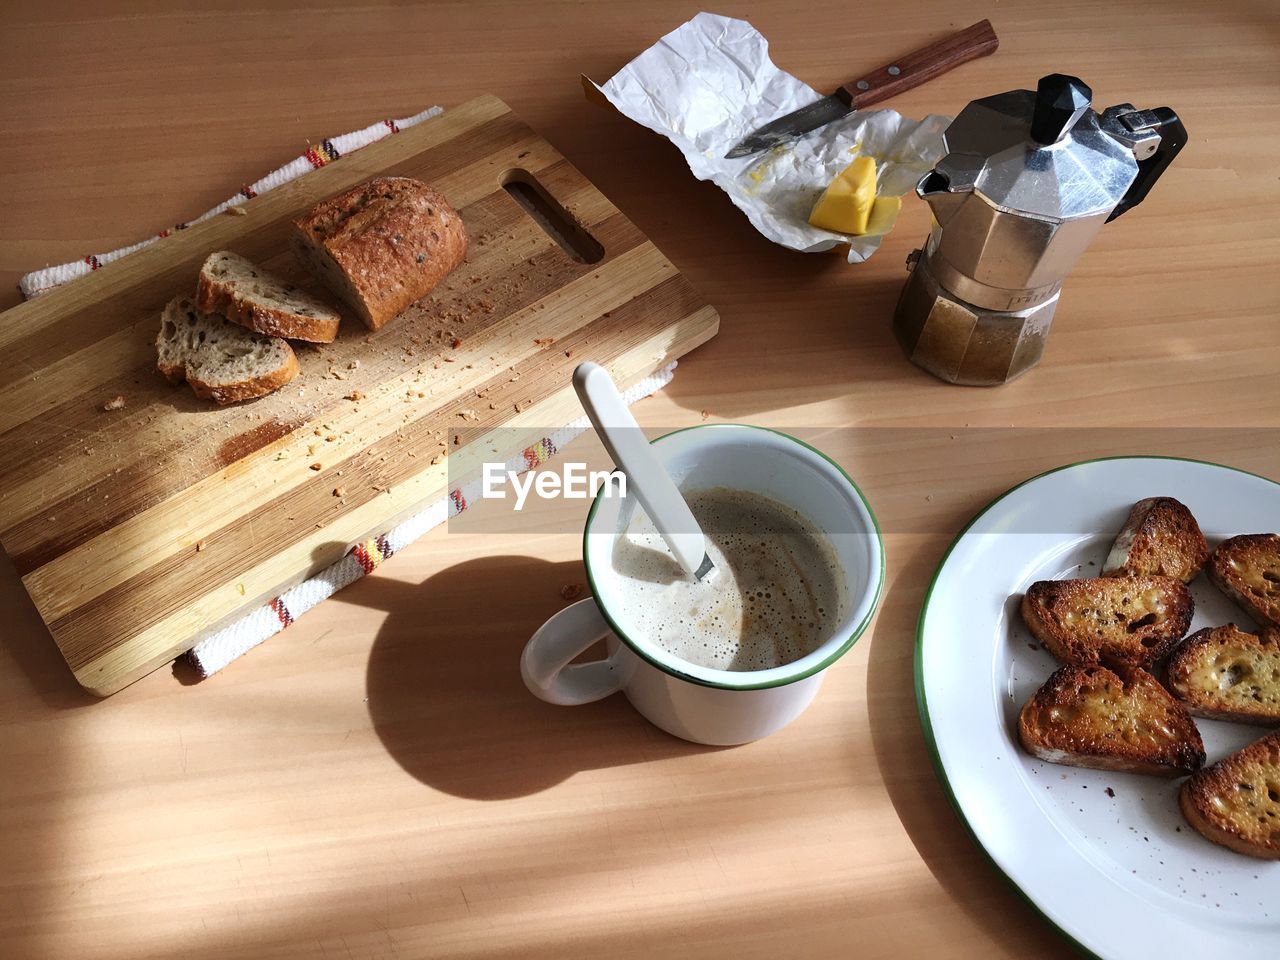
(775, 597)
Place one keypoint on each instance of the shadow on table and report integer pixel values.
(906, 769)
(445, 693)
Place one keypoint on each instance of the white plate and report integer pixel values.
(1123, 876)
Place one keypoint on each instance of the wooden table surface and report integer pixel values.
(376, 782)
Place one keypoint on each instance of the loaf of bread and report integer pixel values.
(382, 245)
(220, 360)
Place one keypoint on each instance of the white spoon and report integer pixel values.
(646, 478)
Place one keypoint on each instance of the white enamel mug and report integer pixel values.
(699, 703)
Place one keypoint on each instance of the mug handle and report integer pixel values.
(545, 662)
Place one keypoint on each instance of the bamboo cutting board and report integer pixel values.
(138, 530)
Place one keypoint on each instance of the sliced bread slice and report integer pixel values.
(1162, 539)
(1227, 674)
(222, 361)
(1110, 720)
(1127, 620)
(250, 296)
(1247, 569)
(1236, 802)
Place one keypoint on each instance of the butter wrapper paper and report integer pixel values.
(710, 82)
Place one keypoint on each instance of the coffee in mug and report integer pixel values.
(777, 593)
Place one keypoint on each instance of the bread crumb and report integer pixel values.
(201, 544)
(571, 591)
(436, 459)
(236, 211)
(455, 343)
(543, 341)
(468, 414)
(115, 403)
(354, 395)
(316, 466)
(353, 365)
(522, 405)
(330, 438)
(240, 587)
(339, 491)
(706, 414)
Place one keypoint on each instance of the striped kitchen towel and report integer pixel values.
(216, 651)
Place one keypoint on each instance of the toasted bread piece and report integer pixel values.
(221, 360)
(248, 295)
(1126, 620)
(1160, 539)
(1110, 720)
(1227, 674)
(1236, 802)
(1247, 569)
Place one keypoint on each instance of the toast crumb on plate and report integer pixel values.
(1126, 620)
(1236, 802)
(1224, 673)
(1110, 720)
(1162, 539)
(1247, 569)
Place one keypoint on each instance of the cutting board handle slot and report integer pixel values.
(546, 211)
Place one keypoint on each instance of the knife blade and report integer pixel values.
(902, 74)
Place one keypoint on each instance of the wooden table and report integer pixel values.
(376, 782)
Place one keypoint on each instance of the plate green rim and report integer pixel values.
(922, 705)
(827, 661)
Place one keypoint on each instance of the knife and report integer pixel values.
(902, 74)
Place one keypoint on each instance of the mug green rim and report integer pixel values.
(826, 661)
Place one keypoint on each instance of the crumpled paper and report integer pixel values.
(710, 82)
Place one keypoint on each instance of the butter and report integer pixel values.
(884, 214)
(845, 206)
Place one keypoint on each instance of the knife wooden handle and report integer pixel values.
(920, 66)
